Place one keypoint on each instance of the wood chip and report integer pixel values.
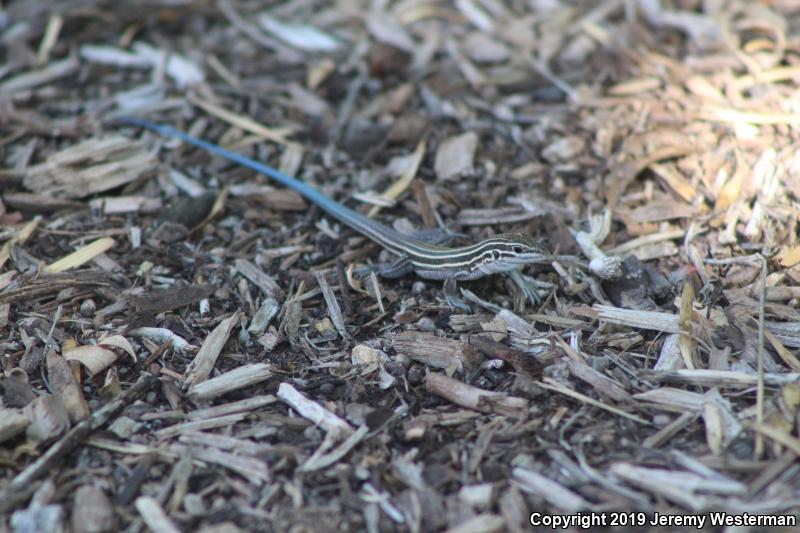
(455, 156)
(317, 414)
(93, 166)
(203, 363)
(473, 397)
(438, 352)
(555, 494)
(82, 255)
(236, 379)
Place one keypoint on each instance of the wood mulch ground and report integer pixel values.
(187, 347)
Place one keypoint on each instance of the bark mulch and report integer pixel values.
(186, 346)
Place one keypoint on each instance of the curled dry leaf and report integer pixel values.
(97, 358)
(94, 358)
(118, 341)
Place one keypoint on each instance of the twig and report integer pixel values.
(425, 209)
(344, 288)
(346, 109)
(333, 306)
(238, 22)
(759, 447)
(311, 410)
(662, 435)
(475, 398)
(749, 261)
(777, 435)
(704, 377)
(551, 384)
(376, 288)
(545, 72)
(49, 339)
(318, 461)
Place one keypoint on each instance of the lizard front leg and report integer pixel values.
(526, 286)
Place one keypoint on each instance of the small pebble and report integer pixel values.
(193, 504)
(402, 360)
(88, 307)
(415, 375)
(426, 324)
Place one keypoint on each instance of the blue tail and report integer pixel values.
(284, 179)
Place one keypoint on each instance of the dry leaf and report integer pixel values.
(62, 382)
(49, 418)
(12, 423)
(118, 341)
(789, 256)
(455, 155)
(94, 358)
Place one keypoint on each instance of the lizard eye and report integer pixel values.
(518, 249)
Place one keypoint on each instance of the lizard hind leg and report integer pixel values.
(451, 296)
